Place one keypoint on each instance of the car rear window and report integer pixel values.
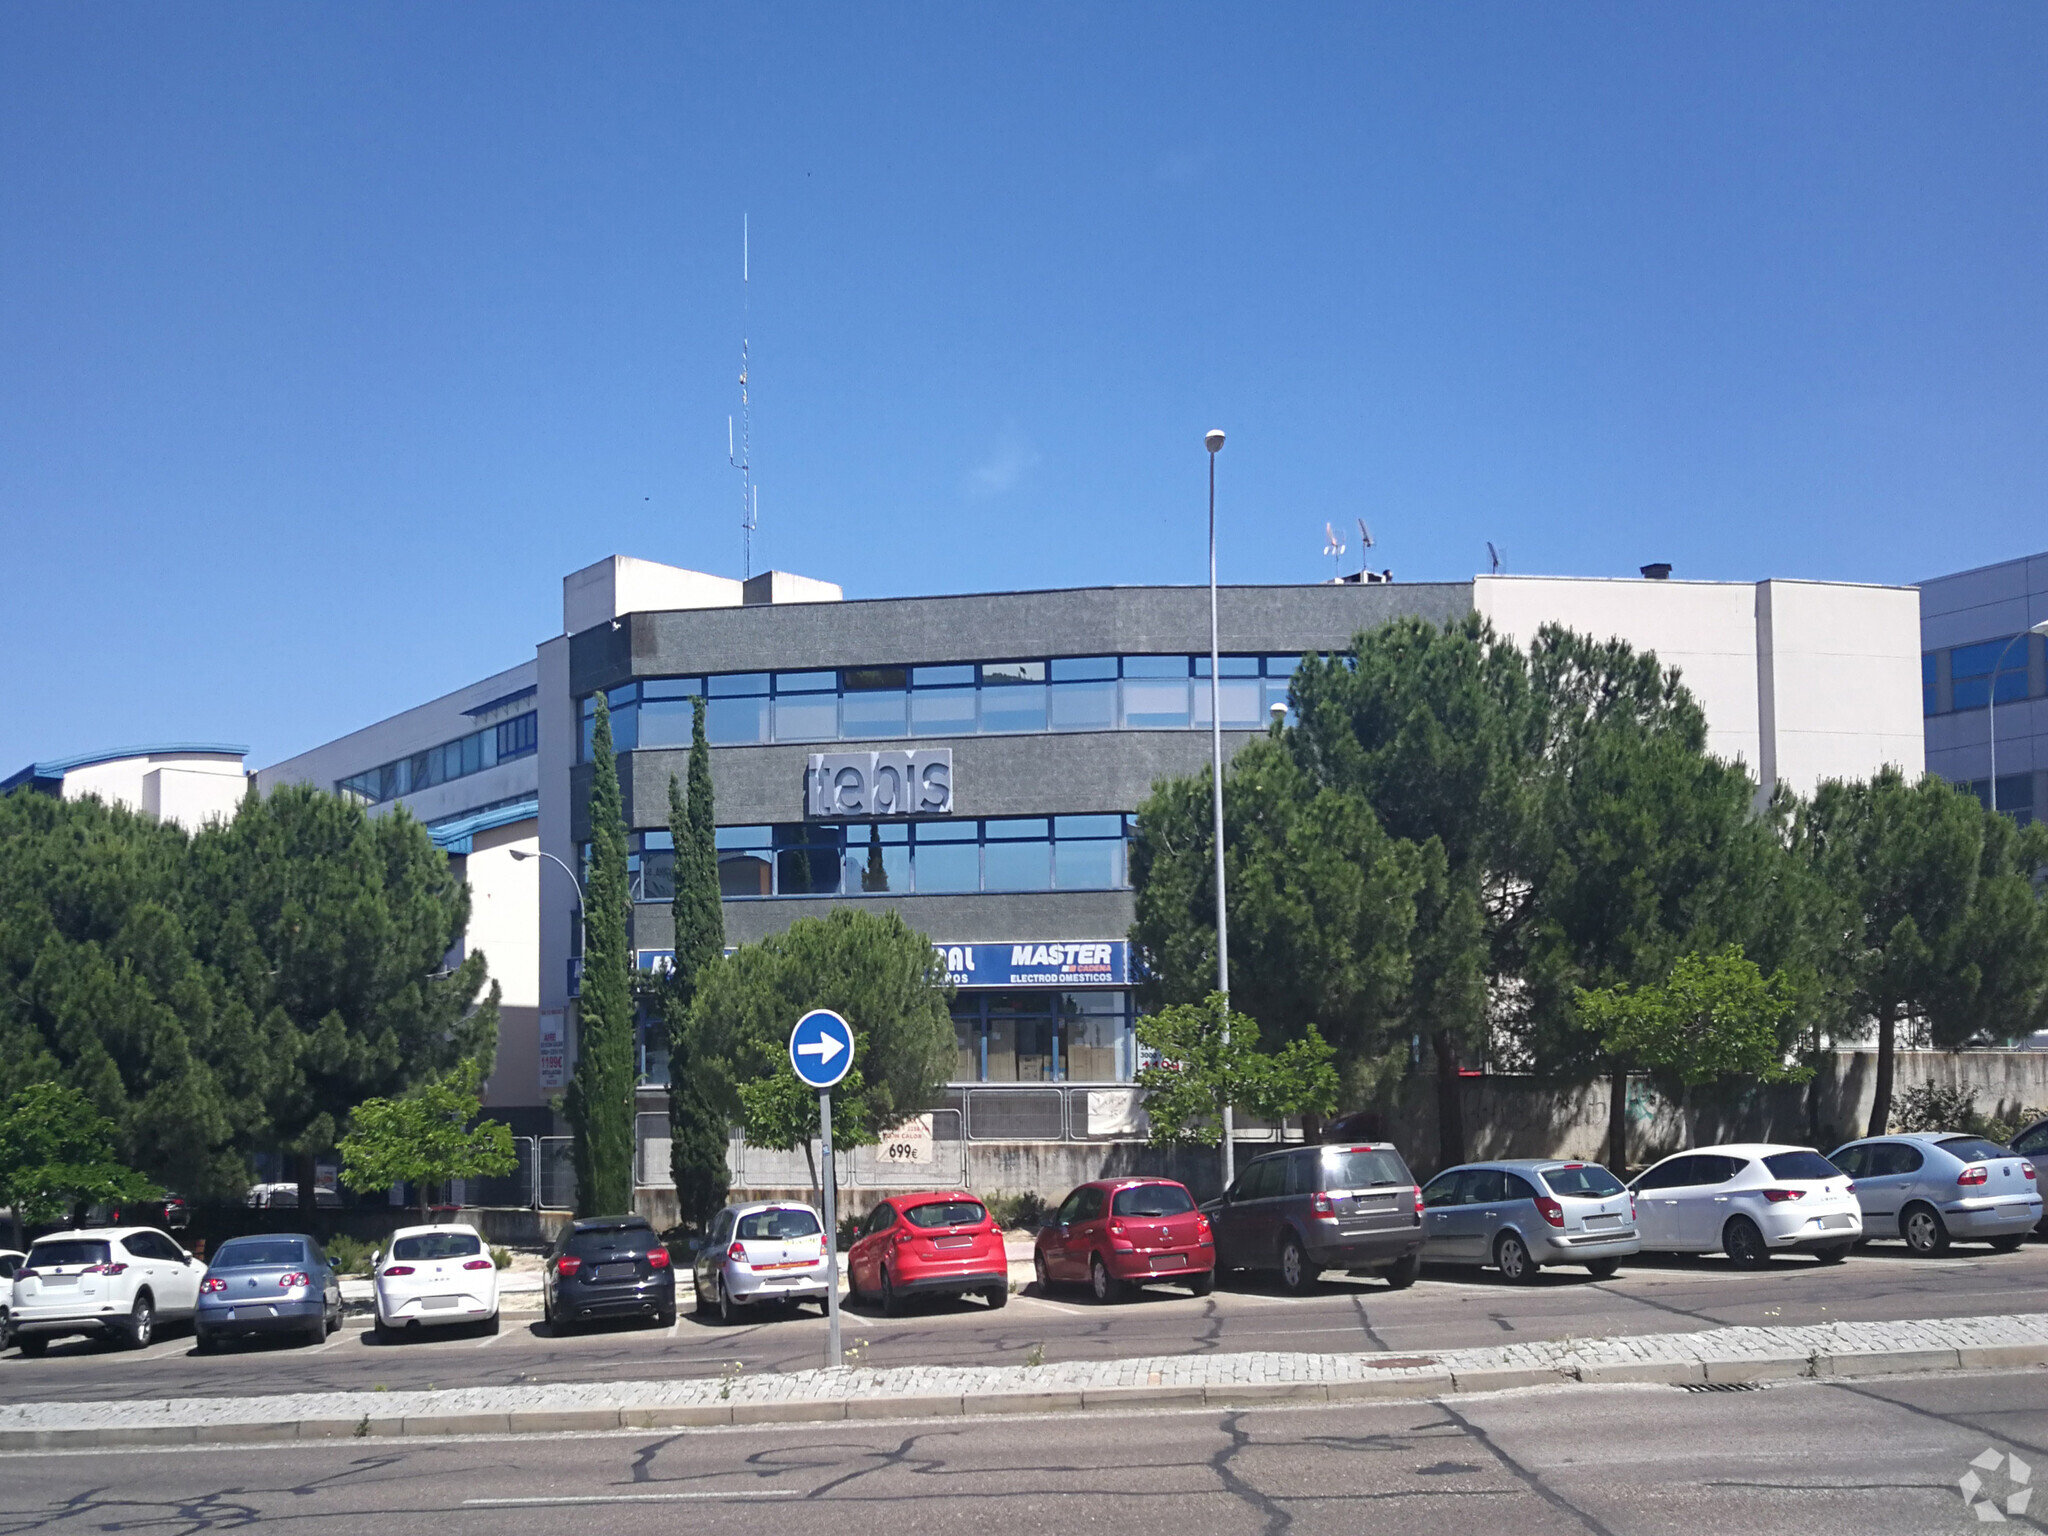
(947, 1213)
(1801, 1165)
(1588, 1180)
(248, 1252)
(437, 1245)
(1152, 1200)
(71, 1251)
(1363, 1168)
(780, 1224)
(611, 1240)
(1972, 1149)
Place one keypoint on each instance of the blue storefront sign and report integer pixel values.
(1066, 963)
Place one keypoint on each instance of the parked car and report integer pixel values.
(10, 1261)
(1117, 1234)
(1303, 1211)
(2032, 1143)
(607, 1266)
(1934, 1187)
(926, 1244)
(274, 1283)
(434, 1276)
(285, 1197)
(1522, 1215)
(762, 1253)
(1749, 1202)
(116, 1283)
(170, 1213)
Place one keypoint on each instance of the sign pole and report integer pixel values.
(833, 1358)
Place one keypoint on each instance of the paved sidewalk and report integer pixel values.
(1715, 1355)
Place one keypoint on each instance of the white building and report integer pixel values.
(186, 783)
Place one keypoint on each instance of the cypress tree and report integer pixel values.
(876, 876)
(599, 1103)
(697, 1135)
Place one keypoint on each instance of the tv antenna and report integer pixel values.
(1364, 543)
(1493, 555)
(743, 459)
(1334, 548)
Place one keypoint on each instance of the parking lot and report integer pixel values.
(1446, 1309)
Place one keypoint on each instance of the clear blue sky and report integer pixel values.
(332, 336)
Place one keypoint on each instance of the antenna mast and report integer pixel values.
(743, 459)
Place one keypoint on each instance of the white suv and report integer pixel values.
(117, 1282)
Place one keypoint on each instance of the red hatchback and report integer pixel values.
(914, 1245)
(1115, 1234)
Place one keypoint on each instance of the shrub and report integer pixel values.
(1026, 1212)
(1934, 1107)
(350, 1255)
(502, 1257)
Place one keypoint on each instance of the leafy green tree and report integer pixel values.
(599, 1102)
(697, 1131)
(872, 969)
(1996, 984)
(57, 1152)
(1715, 1016)
(331, 933)
(1201, 1073)
(426, 1138)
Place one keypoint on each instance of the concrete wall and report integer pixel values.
(504, 923)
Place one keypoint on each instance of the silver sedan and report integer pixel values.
(1934, 1187)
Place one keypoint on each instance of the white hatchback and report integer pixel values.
(431, 1277)
(1748, 1201)
(115, 1282)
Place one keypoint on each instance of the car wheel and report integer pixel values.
(386, 1334)
(728, 1310)
(1202, 1284)
(141, 1324)
(700, 1303)
(1924, 1230)
(6, 1329)
(665, 1319)
(1041, 1273)
(32, 1345)
(335, 1319)
(1743, 1244)
(204, 1341)
(2009, 1243)
(1296, 1278)
(1511, 1254)
(1401, 1274)
(1603, 1269)
(490, 1324)
(1833, 1255)
(892, 1304)
(1107, 1288)
(316, 1331)
(996, 1296)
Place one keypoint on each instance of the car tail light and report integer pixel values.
(286, 1282)
(737, 1253)
(1780, 1196)
(399, 1269)
(1976, 1173)
(24, 1274)
(1631, 1205)
(122, 1269)
(1418, 1202)
(568, 1264)
(657, 1258)
(2025, 1168)
(1550, 1210)
(1574, 1165)
(904, 1235)
(1849, 1188)
(1116, 1229)
(1203, 1229)
(1319, 1203)
(472, 1264)
(210, 1284)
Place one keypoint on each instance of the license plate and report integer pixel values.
(1603, 1221)
(952, 1242)
(606, 1273)
(439, 1303)
(1834, 1221)
(52, 1281)
(1169, 1261)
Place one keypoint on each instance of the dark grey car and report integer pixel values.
(1303, 1211)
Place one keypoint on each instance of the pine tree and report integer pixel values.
(697, 1136)
(599, 1103)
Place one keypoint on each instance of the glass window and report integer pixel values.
(1014, 707)
(1363, 1168)
(738, 684)
(1243, 702)
(1443, 1190)
(1854, 1161)
(780, 1224)
(867, 679)
(621, 696)
(806, 682)
(967, 1046)
(65, 1253)
(877, 865)
(1587, 1179)
(671, 687)
(942, 711)
(1673, 1173)
(807, 717)
(252, 1252)
(1155, 704)
(742, 874)
(655, 877)
(1229, 666)
(436, 1245)
(866, 715)
(1093, 865)
(1088, 826)
(1020, 1038)
(1796, 1165)
(1017, 866)
(1971, 1149)
(1483, 1186)
(929, 677)
(1518, 1188)
(1082, 706)
(1152, 1200)
(1016, 826)
(1091, 1034)
(1928, 692)
(946, 1213)
(941, 867)
(626, 728)
(736, 722)
(1277, 693)
(667, 723)
(1155, 666)
(1281, 666)
(1013, 672)
(1082, 669)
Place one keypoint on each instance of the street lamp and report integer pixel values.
(574, 883)
(1991, 704)
(1214, 442)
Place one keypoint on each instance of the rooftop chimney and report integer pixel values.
(1659, 570)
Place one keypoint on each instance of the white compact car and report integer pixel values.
(1748, 1201)
(431, 1277)
(115, 1282)
(10, 1260)
(767, 1253)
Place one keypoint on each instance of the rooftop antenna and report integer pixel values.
(1494, 555)
(1364, 543)
(1334, 548)
(743, 459)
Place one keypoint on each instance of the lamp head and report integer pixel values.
(519, 853)
(2039, 629)
(1215, 439)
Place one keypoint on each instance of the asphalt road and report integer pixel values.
(1813, 1458)
(1447, 1309)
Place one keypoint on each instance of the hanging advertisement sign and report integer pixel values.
(1066, 963)
(554, 1049)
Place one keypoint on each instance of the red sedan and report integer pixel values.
(917, 1245)
(1116, 1234)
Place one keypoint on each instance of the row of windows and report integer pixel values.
(1011, 853)
(494, 744)
(1065, 693)
(2015, 795)
(1043, 1037)
(1971, 670)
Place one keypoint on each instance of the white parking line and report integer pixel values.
(1057, 1306)
(632, 1498)
(489, 1339)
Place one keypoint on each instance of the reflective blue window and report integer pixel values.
(473, 753)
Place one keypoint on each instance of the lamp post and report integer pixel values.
(1991, 704)
(1214, 442)
(574, 884)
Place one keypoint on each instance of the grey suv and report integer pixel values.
(1303, 1211)
(1935, 1186)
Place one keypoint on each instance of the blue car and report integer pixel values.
(279, 1283)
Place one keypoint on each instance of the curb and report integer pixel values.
(1421, 1380)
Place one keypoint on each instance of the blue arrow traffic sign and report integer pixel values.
(821, 1047)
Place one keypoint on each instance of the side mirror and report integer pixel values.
(184, 1257)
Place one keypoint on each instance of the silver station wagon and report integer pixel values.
(1520, 1216)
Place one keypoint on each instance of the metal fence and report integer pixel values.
(910, 1162)
(1101, 1112)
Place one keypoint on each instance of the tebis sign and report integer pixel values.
(916, 783)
